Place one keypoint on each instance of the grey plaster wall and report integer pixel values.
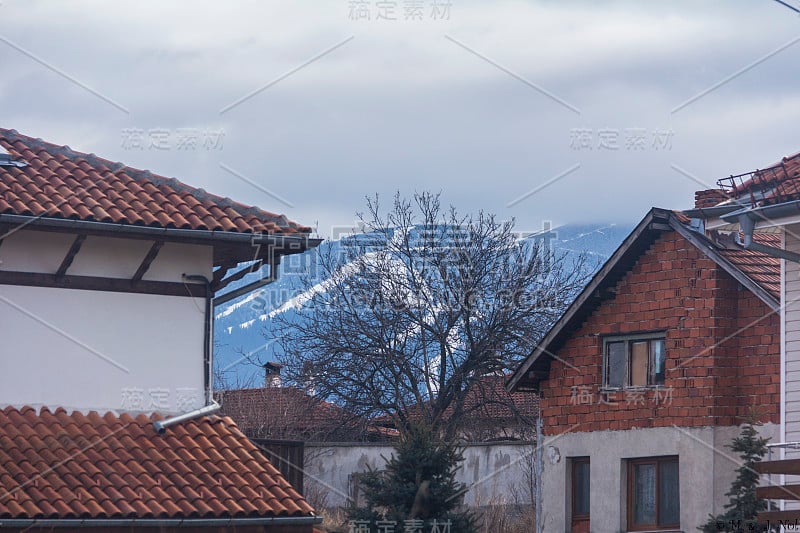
(495, 473)
(706, 470)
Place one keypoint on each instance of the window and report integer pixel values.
(653, 494)
(580, 494)
(634, 361)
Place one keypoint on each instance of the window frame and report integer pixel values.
(657, 461)
(575, 461)
(628, 339)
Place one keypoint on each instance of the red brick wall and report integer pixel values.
(722, 346)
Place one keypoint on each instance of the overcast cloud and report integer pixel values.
(489, 106)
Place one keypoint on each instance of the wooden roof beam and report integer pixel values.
(152, 253)
(70, 257)
(222, 283)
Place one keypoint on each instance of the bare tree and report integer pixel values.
(419, 306)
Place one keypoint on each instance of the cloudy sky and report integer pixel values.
(562, 111)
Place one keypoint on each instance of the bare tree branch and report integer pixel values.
(422, 305)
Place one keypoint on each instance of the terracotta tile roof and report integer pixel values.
(775, 184)
(59, 465)
(489, 400)
(763, 269)
(489, 410)
(58, 182)
(290, 413)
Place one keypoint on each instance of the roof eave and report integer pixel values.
(284, 244)
(713, 211)
(768, 213)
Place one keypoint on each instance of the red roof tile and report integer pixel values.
(763, 269)
(55, 465)
(291, 413)
(489, 410)
(775, 184)
(58, 182)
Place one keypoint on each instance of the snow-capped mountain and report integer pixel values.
(243, 330)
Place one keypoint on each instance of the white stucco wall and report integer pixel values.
(706, 470)
(96, 350)
(494, 472)
(42, 252)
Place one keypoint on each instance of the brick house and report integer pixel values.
(107, 283)
(646, 376)
(761, 209)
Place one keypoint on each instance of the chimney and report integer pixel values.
(709, 198)
(272, 374)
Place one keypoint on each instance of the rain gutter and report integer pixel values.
(747, 219)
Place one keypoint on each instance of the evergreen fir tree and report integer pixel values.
(743, 507)
(418, 483)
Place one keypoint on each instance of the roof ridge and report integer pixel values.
(145, 175)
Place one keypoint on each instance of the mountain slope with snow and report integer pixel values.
(243, 330)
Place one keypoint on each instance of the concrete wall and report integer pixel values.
(494, 472)
(706, 470)
(96, 350)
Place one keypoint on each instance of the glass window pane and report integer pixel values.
(639, 358)
(668, 486)
(644, 494)
(580, 494)
(615, 369)
(658, 357)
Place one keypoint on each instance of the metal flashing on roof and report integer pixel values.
(767, 213)
(714, 211)
(6, 160)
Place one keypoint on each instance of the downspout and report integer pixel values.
(209, 405)
(748, 225)
(161, 425)
(207, 334)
